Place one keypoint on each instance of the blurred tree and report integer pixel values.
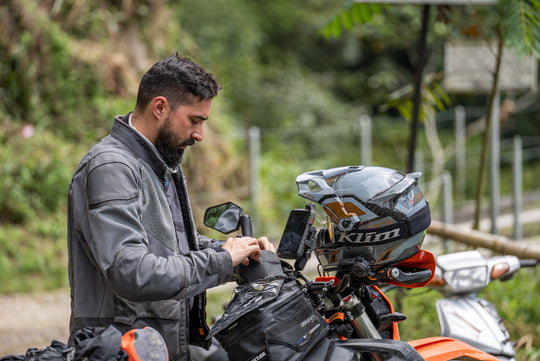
(517, 25)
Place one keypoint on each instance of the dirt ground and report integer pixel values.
(33, 320)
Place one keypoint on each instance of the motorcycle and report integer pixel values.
(278, 313)
(465, 316)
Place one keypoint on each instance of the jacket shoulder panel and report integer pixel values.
(111, 177)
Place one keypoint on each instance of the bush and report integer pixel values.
(35, 174)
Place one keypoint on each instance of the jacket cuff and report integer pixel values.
(225, 265)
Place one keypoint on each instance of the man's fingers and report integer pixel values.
(265, 244)
(256, 254)
(243, 248)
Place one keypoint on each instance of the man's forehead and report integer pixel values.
(199, 109)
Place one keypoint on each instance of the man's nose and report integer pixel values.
(198, 133)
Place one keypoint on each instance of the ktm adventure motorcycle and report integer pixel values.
(340, 317)
(366, 226)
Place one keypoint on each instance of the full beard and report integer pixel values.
(168, 146)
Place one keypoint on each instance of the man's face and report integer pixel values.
(183, 127)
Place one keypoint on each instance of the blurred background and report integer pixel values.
(307, 85)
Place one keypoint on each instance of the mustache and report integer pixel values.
(187, 143)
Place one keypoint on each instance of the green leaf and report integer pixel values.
(405, 109)
(362, 13)
(521, 24)
(356, 12)
(347, 19)
(351, 13)
(335, 27)
(436, 100)
(442, 94)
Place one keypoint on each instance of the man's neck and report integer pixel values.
(130, 122)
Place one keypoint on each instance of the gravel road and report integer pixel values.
(33, 320)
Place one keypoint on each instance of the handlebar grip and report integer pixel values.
(528, 262)
(245, 225)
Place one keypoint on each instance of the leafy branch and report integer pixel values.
(350, 14)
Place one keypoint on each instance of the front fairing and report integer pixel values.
(476, 322)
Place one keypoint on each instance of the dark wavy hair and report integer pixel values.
(178, 79)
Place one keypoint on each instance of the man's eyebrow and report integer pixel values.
(200, 117)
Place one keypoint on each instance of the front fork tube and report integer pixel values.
(361, 323)
(364, 327)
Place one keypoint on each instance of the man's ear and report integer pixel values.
(160, 107)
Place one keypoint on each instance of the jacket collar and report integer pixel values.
(139, 145)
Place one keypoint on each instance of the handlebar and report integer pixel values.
(245, 225)
(528, 262)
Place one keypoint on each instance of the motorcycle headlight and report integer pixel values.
(467, 279)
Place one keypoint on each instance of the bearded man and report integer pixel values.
(135, 256)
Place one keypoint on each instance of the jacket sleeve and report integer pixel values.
(206, 242)
(119, 243)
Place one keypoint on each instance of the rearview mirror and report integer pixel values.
(224, 218)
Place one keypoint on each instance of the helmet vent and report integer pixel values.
(314, 187)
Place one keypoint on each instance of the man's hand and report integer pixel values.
(243, 248)
(265, 244)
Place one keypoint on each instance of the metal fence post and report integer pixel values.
(419, 166)
(447, 198)
(517, 186)
(460, 153)
(495, 163)
(447, 206)
(365, 140)
(254, 162)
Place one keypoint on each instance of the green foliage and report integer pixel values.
(350, 14)
(33, 258)
(35, 174)
(434, 99)
(521, 25)
(42, 80)
(271, 86)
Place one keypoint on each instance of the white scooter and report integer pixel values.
(464, 315)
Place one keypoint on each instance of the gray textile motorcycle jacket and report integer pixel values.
(125, 264)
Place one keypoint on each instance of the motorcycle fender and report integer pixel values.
(476, 322)
(444, 349)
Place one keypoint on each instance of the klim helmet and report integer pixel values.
(376, 213)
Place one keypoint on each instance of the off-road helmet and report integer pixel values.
(375, 213)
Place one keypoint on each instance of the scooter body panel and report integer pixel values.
(476, 322)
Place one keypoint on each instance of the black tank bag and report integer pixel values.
(269, 319)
